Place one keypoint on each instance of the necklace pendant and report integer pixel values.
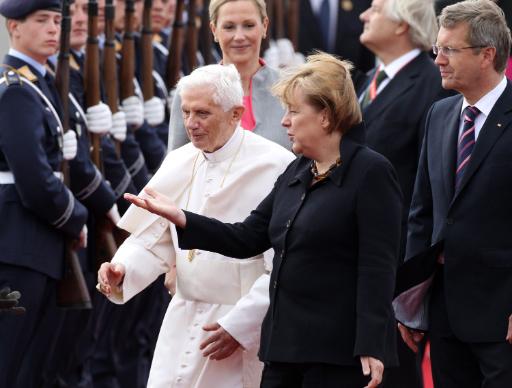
(191, 254)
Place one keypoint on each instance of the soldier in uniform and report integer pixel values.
(39, 213)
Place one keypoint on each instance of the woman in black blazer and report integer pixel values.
(333, 220)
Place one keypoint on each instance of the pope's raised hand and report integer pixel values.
(159, 204)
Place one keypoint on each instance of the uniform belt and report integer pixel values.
(7, 177)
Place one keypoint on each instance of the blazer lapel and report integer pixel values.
(497, 122)
(449, 153)
(402, 81)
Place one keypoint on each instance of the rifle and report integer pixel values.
(293, 23)
(147, 52)
(105, 240)
(72, 289)
(279, 19)
(192, 36)
(265, 44)
(128, 52)
(206, 35)
(110, 64)
(173, 65)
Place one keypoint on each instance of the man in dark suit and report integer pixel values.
(395, 98)
(458, 279)
(333, 26)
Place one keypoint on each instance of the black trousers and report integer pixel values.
(25, 340)
(457, 364)
(312, 375)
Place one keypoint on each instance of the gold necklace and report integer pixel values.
(321, 176)
(192, 252)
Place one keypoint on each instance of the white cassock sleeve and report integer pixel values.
(244, 320)
(144, 258)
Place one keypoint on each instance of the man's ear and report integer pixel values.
(489, 56)
(403, 28)
(12, 27)
(238, 111)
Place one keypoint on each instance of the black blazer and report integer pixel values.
(473, 225)
(336, 247)
(395, 120)
(348, 29)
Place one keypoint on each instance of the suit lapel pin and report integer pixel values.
(347, 5)
(499, 125)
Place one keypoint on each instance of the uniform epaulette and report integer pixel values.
(12, 77)
(118, 46)
(27, 73)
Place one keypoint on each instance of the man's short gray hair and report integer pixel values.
(420, 15)
(223, 79)
(487, 27)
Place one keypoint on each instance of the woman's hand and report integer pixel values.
(374, 368)
(110, 276)
(159, 204)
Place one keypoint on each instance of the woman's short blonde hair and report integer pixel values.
(216, 4)
(326, 84)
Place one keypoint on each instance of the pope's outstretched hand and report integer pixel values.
(159, 204)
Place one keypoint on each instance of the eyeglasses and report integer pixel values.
(449, 51)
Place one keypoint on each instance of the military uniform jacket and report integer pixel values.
(37, 211)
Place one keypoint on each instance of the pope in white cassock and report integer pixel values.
(210, 334)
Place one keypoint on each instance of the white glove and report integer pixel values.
(118, 129)
(271, 55)
(99, 118)
(154, 111)
(82, 239)
(170, 98)
(298, 59)
(286, 52)
(113, 214)
(69, 145)
(134, 111)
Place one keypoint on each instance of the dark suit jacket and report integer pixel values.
(395, 120)
(349, 28)
(474, 224)
(336, 247)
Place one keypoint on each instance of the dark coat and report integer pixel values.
(336, 246)
(38, 211)
(348, 30)
(473, 225)
(395, 120)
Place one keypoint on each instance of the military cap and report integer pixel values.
(18, 9)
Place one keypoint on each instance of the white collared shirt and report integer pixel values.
(485, 105)
(32, 62)
(333, 18)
